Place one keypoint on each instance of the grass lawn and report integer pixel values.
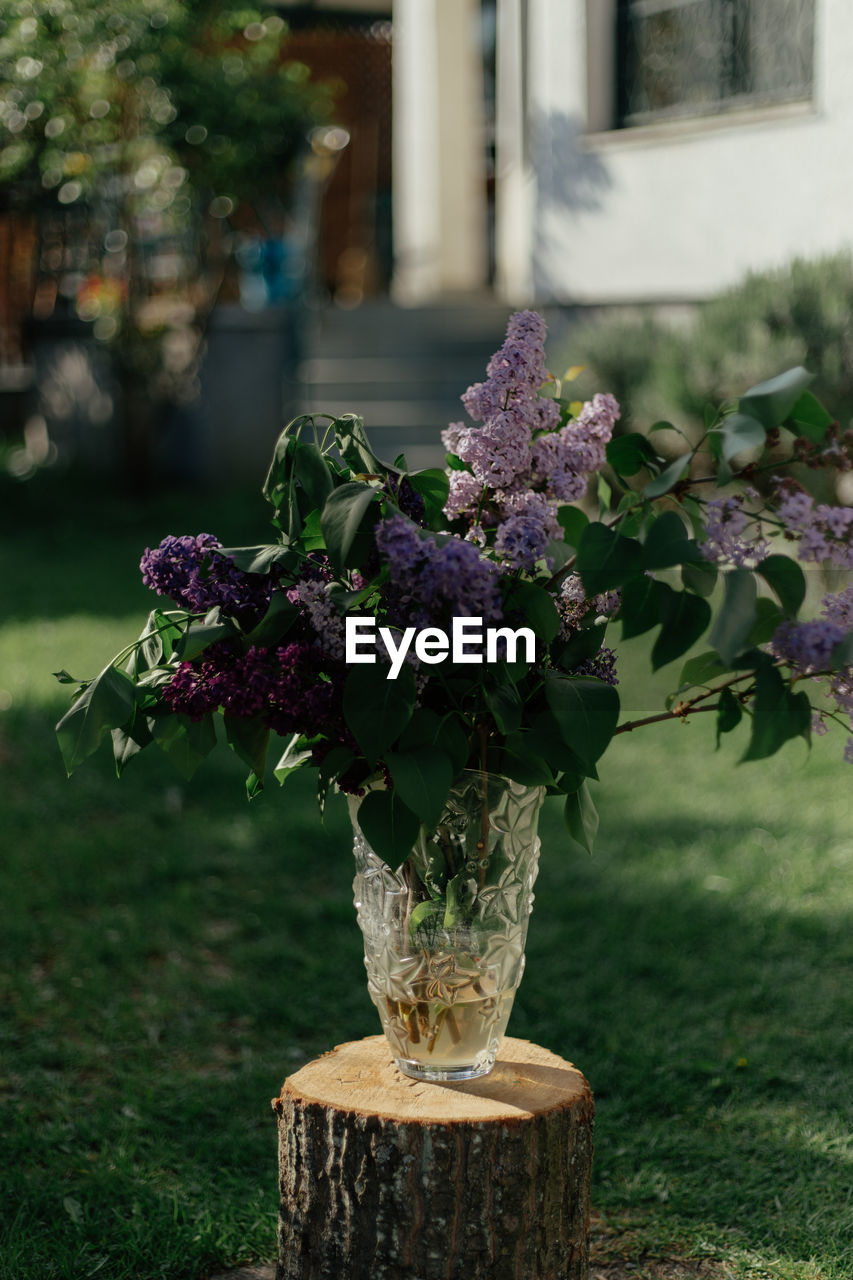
(170, 953)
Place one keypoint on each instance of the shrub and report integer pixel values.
(769, 322)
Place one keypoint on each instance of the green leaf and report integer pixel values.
(376, 709)
(160, 636)
(506, 707)
(425, 923)
(520, 760)
(741, 432)
(355, 447)
(667, 543)
(582, 645)
(433, 486)
(669, 477)
(606, 559)
(105, 704)
(129, 741)
(388, 825)
(605, 494)
(809, 418)
(684, 618)
(627, 454)
(768, 617)
(729, 714)
(343, 519)
(581, 818)
(545, 733)
(293, 757)
(538, 608)
(778, 714)
(771, 402)
(701, 670)
(312, 472)
(573, 521)
(200, 636)
(736, 616)
(640, 606)
(787, 579)
(248, 737)
(422, 780)
(700, 578)
(454, 912)
(186, 742)
(276, 622)
(259, 559)
(586, 711)
(842, 654)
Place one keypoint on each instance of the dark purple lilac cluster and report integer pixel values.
(192, 571)
(284, 686)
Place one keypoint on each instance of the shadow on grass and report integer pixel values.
(70, 547)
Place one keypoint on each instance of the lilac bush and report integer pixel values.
(549, 529)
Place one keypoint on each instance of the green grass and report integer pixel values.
(170, 953)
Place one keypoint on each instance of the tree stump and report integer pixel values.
(386, 1178)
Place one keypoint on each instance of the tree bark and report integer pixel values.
(386, 1178)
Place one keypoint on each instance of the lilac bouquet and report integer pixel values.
(401, 627)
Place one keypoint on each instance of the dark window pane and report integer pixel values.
(695, 57)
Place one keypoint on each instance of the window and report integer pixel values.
(697, 57)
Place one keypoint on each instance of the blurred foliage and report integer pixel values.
(768, 323)
(130, 99)
(146, 140)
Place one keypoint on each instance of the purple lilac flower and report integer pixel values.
(725, 526)
(282, 686)
(807, 646)
(602, 665)
(823, 531)
(400, 544)
(450, 436)
(515, 372)
(436, 579)
(192, 572)
(466, 493)
(529, 523)
(521, 541)
(322, 616)
(498, 452)
(563, 461)
(838, 608)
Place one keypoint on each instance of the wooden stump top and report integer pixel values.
(361, 1077)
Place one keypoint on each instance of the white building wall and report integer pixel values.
(677, 210)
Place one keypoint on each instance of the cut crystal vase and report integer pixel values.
(444, 933)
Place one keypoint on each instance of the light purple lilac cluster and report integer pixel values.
(823, 532)
(191, 570)
(726, 539)
(519, 452)
(322, 617)
(437, 580)
(808, 648)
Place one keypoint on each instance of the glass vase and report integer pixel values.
(444, 933)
